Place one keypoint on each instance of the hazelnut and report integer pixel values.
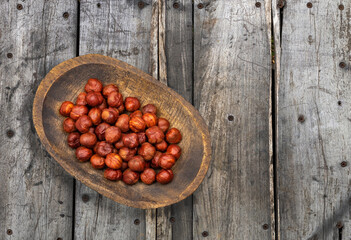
(95, 115)
(162, 146)
(109, 115)
(121, 108)
(81, 99)
(69, 125)
(113, 160)
(83, 154)
(148, 176)
(163, 124)
(124, 166)
(109, 89)
(103, 148)
(112, 174)
(95, 147)
(123, 122)
(147, 151)
(119, 144)
(137, 113)
(141, 137)
(155, 161)
(73, 140)
(112, 134)
(94, 99)
(115, 99)
(100, 130)
(83, 124)
(127, 153)
(131, 104)
(66, 108)
(174, 150)
(130, 177)
(93, 85)
(78, 111)
(173, 136)
(166, 161)
(130, 140)
(97, 161)
(150, 119)
(88, 140)
(154, 135)
(137, 124)
(103, 105)
(149, 108)
(137, 164)
(164, 176)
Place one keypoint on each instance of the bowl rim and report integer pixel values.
(68, 65)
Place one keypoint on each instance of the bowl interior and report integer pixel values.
(71, 83)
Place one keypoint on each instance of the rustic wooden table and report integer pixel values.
(280, 132)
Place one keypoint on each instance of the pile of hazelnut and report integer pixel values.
(130, 146)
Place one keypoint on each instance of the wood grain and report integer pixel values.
(313, 188)
(232, 68)
(35, 193)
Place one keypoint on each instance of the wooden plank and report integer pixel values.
(232, 69)
(36, 193)
(314, 127)
(121, 30)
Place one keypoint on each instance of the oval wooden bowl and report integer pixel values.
(67, 80)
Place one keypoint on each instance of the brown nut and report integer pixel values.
(121, 109)
(124, 166)
(112, 174)
(149, 108)
(130, 140)
(137, 124)
(123, 122)
(174, 150)
(130, 177)
(173, 135)
(88, 140)
(103, 148)
(83, 154)
(93, 85)
(81, 99)
(94, 99)
(163, 124)
(103, 105)
(148, 176)
(156, 160)
(162, 146)
(95, 115)
(113, 160)
(109, 89)
(164, 176)
(112, 134)
(136, 164)
(147, 151)
(131, 104)
(166, 161)
(109, 115)
(69, 125)
(150, 119)
(120, 143)
(97, 161)
(127, 153)
(100, 130)
(73, 140)
(78, 111)
(95, 147)
(137, 113)
(83, 124)
(115, 99)
(141, 137)
(66, 108)
(154, 135)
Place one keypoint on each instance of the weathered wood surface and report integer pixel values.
(35, 193)
(232, 69)
(313, 187)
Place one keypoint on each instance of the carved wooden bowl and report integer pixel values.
(67, 80)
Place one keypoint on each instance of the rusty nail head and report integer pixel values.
(141, 4)
(301, 118)
(85, 197)
(136, 221)
(9, 232)
(265, 226)
(205, 234)
(342, 65)
(230, 118)
(66, 15)
(341, 7)
(200, 6)
(339, 225)
(175, 5)
(309, 5)
(172, 220)
(258, 4)
(10, 133)
(9, 55)
(281, 3)
(98, 5)
(19, 6)
(343, 163)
